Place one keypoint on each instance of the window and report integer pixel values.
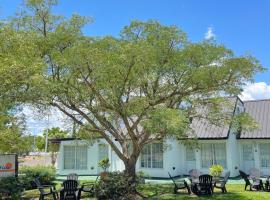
(248, 152)
(265, 155)
(190, 154)
(152, 156)
(75, 157)
(212, 154)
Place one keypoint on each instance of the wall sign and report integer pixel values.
(8, 165)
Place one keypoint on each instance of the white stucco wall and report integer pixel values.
(173, 158)
(256, 152)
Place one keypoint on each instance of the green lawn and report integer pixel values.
(161, 191)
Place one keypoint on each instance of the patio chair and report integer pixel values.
(72, 176)
(46, 190)
(256, 184)
(88, 187)
(254, 173)
(205, 186)
(222, 183)
(194, 175)
(267, 184)
(70, 190)
(179, 185)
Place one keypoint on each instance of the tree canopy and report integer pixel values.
(141, 86)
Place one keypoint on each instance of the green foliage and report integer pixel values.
(244, 122)
(54, 132)
(116, 185)
(216, 170)
(12, 137)
(46, 175)
(11, 186)
(104, 163)
(166, 121)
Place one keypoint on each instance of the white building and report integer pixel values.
(217, 145)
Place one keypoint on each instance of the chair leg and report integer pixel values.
(54, 196)
(175, 190)
(41, 197)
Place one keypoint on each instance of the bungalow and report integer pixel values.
(217, 145)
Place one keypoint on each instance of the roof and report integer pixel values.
(59, 140)
(203, 129)
(259, 110)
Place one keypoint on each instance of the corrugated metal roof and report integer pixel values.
(259, 110)
(203, 129)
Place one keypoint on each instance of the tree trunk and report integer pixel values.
(130, 168)
(53, 158)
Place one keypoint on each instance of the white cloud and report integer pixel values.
(210, 33)
(256, 91)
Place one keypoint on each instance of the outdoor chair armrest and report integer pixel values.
(52, 187)
(87, 184)
(46, 186)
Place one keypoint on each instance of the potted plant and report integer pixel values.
(104, 164)
(216, 171)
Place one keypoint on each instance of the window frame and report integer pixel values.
(186, 154)
(213, 155)
(261, 165)
(150, 162)
(75, 164)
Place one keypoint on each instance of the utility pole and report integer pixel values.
(46, 138)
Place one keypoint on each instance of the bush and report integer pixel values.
(216, 170)
(115, 186)
(46, 175)
(11, 187)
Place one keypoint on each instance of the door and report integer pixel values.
(247, 157)
(190, 159)
(103, 152)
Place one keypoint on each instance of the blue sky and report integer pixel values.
(242, 25)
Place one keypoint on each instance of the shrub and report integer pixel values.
(115, 186)
(46, 175)
(216, 170)
(11, 186)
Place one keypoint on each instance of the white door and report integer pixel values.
(103, 152)
(190, 159)
(247, 157)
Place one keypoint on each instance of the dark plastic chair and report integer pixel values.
(267, 184)
(70, 190)
(46, 190)
(179, 185)
(205, 186)
(256, 184)
(222, 183)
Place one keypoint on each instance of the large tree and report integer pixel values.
(142, 86)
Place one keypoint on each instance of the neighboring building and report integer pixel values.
(219, 145)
